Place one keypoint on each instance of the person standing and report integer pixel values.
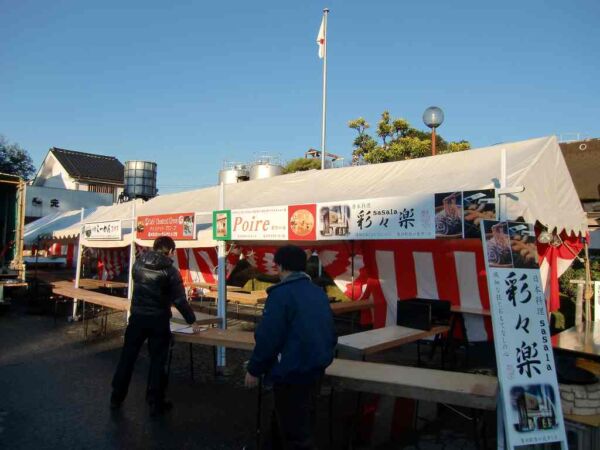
(295, 343)
(156, 286)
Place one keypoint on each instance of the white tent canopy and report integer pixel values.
(537, 165)
(47, 224)
(118, 211)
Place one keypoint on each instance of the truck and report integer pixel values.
(12, 224)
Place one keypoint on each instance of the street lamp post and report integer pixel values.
(433, 118)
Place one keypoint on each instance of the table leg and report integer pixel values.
(463, 329)
(1, 293)
(84, 322)
(450, 340)
(330, 424)
(259, 414)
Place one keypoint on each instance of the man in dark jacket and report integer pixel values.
(295, 342)
(156, 285)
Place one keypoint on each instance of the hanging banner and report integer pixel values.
(381, 218)
(526, 373)
(428, 216)
(259, 224)
(222, 225)
(177, 226)
(477, 206)
(459, 214)
(103, 231)
(596, 301)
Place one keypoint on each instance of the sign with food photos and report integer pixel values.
(423, 216)
(531, 405)
(99, 231)
(459, 214)
(180, 226)
(381, 218)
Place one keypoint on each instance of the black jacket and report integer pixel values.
(157, 284)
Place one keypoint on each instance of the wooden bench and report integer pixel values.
(215, 337)
(230, 338)
(89, 283)
(419, 384)
(66, 289)
(455, 388)
(213, 287)
(338, 308)
(380, 339)
(253, 298)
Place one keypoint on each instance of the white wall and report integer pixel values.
(67, 199)
(52, 174)
(595, 238)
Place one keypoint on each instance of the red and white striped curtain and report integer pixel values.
(198, 264)
(68, 251)
(112, 262)
(386, 271)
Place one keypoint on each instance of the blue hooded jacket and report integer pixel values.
(296, 338)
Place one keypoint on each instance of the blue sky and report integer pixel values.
(190, 84)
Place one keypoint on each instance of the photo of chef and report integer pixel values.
(523, 245)
(498, 244)
(448, 215)
(477, 206)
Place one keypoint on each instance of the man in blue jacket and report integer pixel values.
(295, 342)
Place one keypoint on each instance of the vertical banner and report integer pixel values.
(596, 301)
(526, 373)
(222, 225)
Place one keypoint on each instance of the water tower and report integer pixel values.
(140, 180)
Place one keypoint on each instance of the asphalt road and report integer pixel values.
(55, 390)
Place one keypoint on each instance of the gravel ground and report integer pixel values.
(55, 392)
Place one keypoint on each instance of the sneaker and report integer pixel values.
(157, 409)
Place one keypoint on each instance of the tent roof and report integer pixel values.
(537, 164)
(44, 226)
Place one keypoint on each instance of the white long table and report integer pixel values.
(380, 339)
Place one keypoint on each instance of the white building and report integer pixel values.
(69, 180)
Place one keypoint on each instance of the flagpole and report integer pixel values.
(323, 124)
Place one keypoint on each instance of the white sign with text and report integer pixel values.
(526, 372)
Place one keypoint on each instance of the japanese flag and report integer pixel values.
(321, 39)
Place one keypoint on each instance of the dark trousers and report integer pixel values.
(294, 419)
(158, 333)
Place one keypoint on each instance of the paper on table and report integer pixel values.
(185, 329)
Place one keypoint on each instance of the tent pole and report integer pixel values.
(502, 198)
(352, 268)
(222, 285)
(131, 258)
(78, 269)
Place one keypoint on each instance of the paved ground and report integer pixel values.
(55, 389)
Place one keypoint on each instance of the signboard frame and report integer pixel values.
(112, 234)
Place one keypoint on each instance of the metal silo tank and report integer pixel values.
(233, 173)
(140, 179)
(265, 166)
